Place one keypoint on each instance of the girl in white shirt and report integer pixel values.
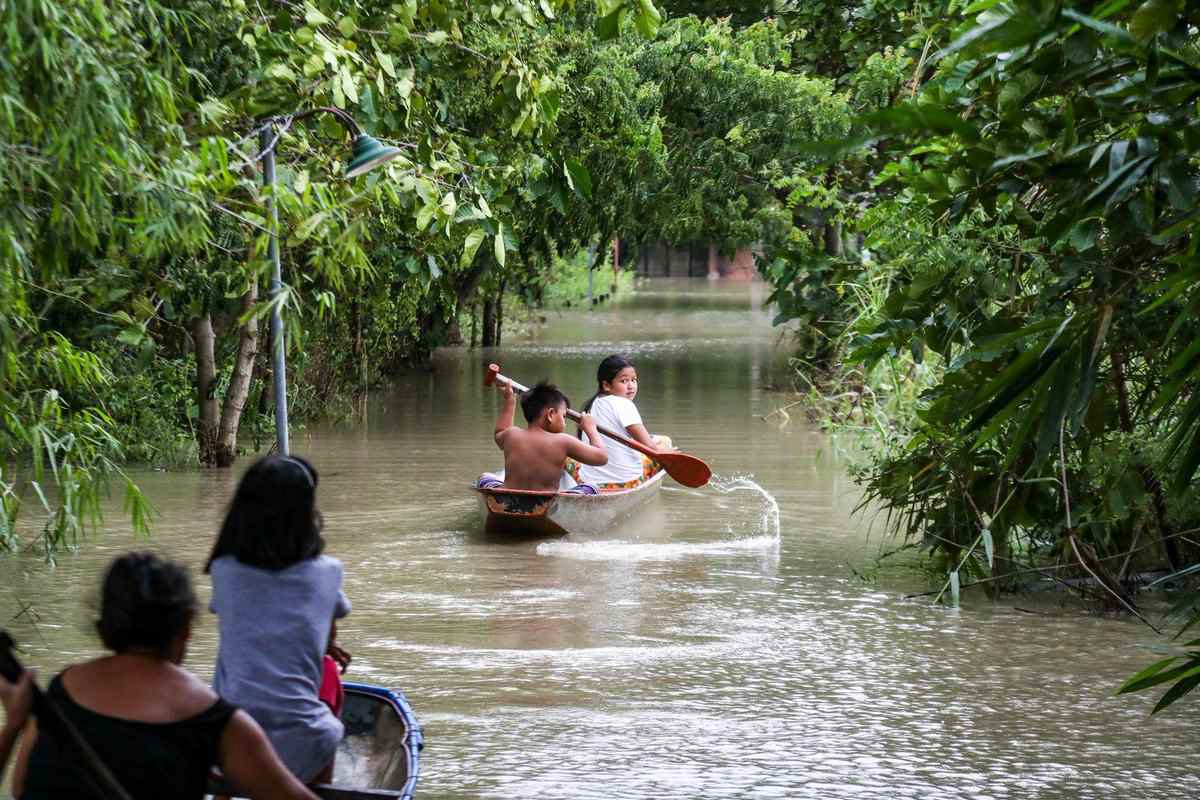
(613, 407)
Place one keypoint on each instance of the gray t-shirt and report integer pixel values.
(274, 628)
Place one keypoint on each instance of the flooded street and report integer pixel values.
(717, 644)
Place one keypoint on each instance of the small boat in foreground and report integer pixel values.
(379, 756)
(521, 512)
(382, 746)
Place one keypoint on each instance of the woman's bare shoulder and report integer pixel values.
(164, 693)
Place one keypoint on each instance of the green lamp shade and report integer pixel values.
(369, 152)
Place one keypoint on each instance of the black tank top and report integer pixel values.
(151, 760)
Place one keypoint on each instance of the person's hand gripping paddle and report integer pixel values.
(686, 469)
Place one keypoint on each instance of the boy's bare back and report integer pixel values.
(534, 457)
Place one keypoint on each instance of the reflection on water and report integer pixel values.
(715, 644)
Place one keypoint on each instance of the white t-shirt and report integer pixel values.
(624, 464)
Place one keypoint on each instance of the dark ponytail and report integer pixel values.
(606, 373)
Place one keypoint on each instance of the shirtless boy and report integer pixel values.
(534, 456)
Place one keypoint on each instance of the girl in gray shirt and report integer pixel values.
(276, 598)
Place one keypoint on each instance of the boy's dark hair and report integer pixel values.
(145, 601)
(273, 520)
(539, 398)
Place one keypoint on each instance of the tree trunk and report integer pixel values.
(616, 265)
(499, 313)
(489, 322)
(474, 325)
(356, 326)
(1003, 564)
(833, 239)
(359, 348)
(266, 396)
(239, 383)
(454, 331)
(206, 388)
(359, 351)
(714, 266)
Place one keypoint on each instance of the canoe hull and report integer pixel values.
(379, 755)
(522, 513)
(382, 743)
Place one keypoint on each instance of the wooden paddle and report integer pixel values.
(686, 469)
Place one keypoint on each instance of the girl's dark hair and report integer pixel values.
(605, 373)
(273, 520)
(145, 601)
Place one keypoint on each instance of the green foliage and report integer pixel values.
(1094, 288)
(59, 449)
(86, 212)
(1182, 671)
(1030, 195)
(130, 201)
(152, 406)
(875, 84)
(736, 123)
(133, 223)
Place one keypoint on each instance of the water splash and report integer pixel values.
(614, 550)
(767, 524)
(748, 527)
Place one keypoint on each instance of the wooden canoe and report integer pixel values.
(379, 756)
(521, 512)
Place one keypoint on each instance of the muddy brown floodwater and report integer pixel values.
(716, 644)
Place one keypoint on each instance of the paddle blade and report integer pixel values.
(489, 377)
(685, 469)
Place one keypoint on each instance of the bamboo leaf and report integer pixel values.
(1185, 684)
(1152, 675)
(1114, 177)
(1106, 28)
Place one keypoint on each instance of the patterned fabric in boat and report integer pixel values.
(490, 480)
(650, 468)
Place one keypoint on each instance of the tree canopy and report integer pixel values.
(134, 223)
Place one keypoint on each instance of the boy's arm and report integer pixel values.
(591, 454)
(505, 420)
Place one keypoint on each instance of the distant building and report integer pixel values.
(661, 260)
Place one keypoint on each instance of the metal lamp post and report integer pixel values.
(368, 153)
